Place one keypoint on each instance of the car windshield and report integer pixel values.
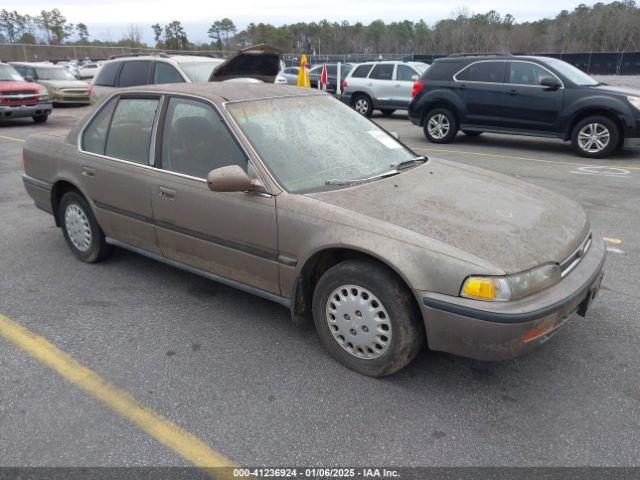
(314, 142)
(572, 73)
(8, 74)
(54, 74)
(199, 71)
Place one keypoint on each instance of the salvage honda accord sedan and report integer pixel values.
(290, 195)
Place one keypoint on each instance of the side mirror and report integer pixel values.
(28, 78)
(550, 83)
(233, 179)
(415, 78)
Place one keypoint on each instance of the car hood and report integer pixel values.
(262, 62)
(57, 84)
(618, 90)
(18, 85)
(512, 224)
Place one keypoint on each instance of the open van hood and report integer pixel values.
(258, 61)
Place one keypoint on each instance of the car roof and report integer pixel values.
(221, 92)
(474, 58)
(37, 64)
(165, 58)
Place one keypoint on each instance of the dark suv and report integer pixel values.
(522, 95)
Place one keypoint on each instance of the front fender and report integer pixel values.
(614, 106)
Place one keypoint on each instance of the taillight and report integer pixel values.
(417, 86)
(344, 85)
(90, 89)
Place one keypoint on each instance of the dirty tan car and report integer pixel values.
(293, 196)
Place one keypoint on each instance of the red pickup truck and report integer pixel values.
(22, 99)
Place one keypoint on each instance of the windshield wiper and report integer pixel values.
(409, 163)
(356, 181)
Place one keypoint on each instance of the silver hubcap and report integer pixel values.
(77, 226)
(362, 105)
(593, 138)
(438, 126)
(358, 321)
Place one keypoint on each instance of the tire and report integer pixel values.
(387, 112)
(362, 104)
(40, 118)
(392, 316)
(443, 117)
(590, 133)
(469, 133)
(80, 229)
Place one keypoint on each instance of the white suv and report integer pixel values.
(385, 86)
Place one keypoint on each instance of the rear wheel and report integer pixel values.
(387, 112)
(440, 126)
(366, 318)
(81, 231)
(595, 137)
(40, 118)
(362, 104)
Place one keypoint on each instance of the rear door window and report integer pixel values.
(487, 72)
(165, 73)
(195, 140)
(129, 135)
(382, 72)
(134, 73)
(95, 134)
(361, 71)
(107, 74)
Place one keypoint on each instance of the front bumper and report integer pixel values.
(18, 111)
(503, 330)
(69, 98)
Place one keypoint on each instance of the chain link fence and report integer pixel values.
(595, 63)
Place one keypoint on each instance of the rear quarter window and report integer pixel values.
(107, 75)
(95, 133)
(442, 70)
(361, 71)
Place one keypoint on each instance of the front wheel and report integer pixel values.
(81, 231)
(40, 118)
(595, 137)
(440, 126)
(366, 318)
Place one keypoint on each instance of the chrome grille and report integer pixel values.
(75, 90)
(574, 259)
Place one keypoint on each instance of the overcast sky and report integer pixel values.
(107, 20)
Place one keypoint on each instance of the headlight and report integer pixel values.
(635, 101)
(511, 287)
(44, 94)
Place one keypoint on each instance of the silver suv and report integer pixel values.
(385, 86)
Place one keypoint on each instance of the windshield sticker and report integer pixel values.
(384, 139)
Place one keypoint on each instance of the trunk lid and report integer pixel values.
(261, 62)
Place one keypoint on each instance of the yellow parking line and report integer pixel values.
(615, 241)
(464, 152)
(166, 432)
(12, 139)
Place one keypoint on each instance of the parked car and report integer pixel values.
(332, 75)
(290, 74)
(382, 247)
(63, 87)
(525, 95)
(261, 62)
(384, 86)
(88, 70)
(19, 98)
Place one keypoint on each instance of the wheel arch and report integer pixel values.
(590, 111)
(58, 189)
(322, 260)
(440, 103)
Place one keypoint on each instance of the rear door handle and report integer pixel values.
(513, 92)
(88, 171)
(166, 193)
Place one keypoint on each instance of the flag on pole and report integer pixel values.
(303, 73)
(322, 84)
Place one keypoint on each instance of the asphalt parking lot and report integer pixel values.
(232, 372)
